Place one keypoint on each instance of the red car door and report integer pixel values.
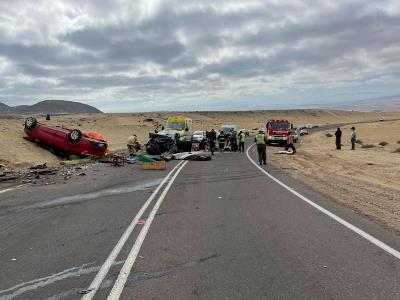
(61, 140)
(45, 135)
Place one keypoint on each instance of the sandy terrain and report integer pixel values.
(367, 180)
(20, 153)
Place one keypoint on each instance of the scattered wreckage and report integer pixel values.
(175, 136)
(159, 144)
(41, 174)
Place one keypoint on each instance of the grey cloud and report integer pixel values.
(115, 81)
(204, 46)
(45, 55)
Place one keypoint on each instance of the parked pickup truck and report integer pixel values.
(66, 142)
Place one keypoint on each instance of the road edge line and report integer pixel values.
(338, 219)
(11, 189)
(101, 274)
(130, 260)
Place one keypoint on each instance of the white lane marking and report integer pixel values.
(127, 267)
(25, 287)
(94, 286)
(10, 189)
(350, 226)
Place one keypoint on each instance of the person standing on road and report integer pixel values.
(242, 138)
(353, 138)
(202, 144)
(261, 141)
(338, 135)
(290, 143)
(212, 137)
(221, 141)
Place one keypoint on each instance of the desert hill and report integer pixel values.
(3, 107)
(49, 106)
(388, 104)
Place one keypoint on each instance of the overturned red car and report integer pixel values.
(65, 141)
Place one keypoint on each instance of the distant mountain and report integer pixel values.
(388, 103)
(3, 106)
(51, 107)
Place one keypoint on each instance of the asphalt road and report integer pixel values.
(220, 229)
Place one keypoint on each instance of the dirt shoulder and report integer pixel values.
(366, 180)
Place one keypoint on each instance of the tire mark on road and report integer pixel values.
(68, 200)
(25, 287)
(138, 277)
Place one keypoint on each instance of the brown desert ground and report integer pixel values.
(366, 180)
(116, 128)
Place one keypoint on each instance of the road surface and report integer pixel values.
(221, 229)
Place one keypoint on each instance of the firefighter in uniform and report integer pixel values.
(221, 141)
(261, 141)
(212, 137)
(133, 145)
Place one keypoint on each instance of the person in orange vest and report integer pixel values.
(290, 143)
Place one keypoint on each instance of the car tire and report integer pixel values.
(30, 123)
(74, 136)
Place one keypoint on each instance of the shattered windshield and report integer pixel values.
(175, 126)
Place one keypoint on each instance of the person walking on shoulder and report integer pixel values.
(338, 135)
(242, 138)
(353, 138)
(261, 141)
(290, 143)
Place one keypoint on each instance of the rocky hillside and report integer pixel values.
(49, 106)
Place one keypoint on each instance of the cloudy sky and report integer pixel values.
(123, 55)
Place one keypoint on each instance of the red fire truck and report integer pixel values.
(278, 131)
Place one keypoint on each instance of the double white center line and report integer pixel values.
(123, 276)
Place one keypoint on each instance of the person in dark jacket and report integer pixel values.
(233, 142)
(338, 135)
(221, 141)
(212, 137)
(353, 138)
(203, 144)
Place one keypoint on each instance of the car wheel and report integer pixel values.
(30, 123)
(74, 136)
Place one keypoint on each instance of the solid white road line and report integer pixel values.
(6, 190)
(353, 228)
(127, 267)
(10, 189)
(94, 286)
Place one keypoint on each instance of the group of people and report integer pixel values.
(226, 142)
(353, 138)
